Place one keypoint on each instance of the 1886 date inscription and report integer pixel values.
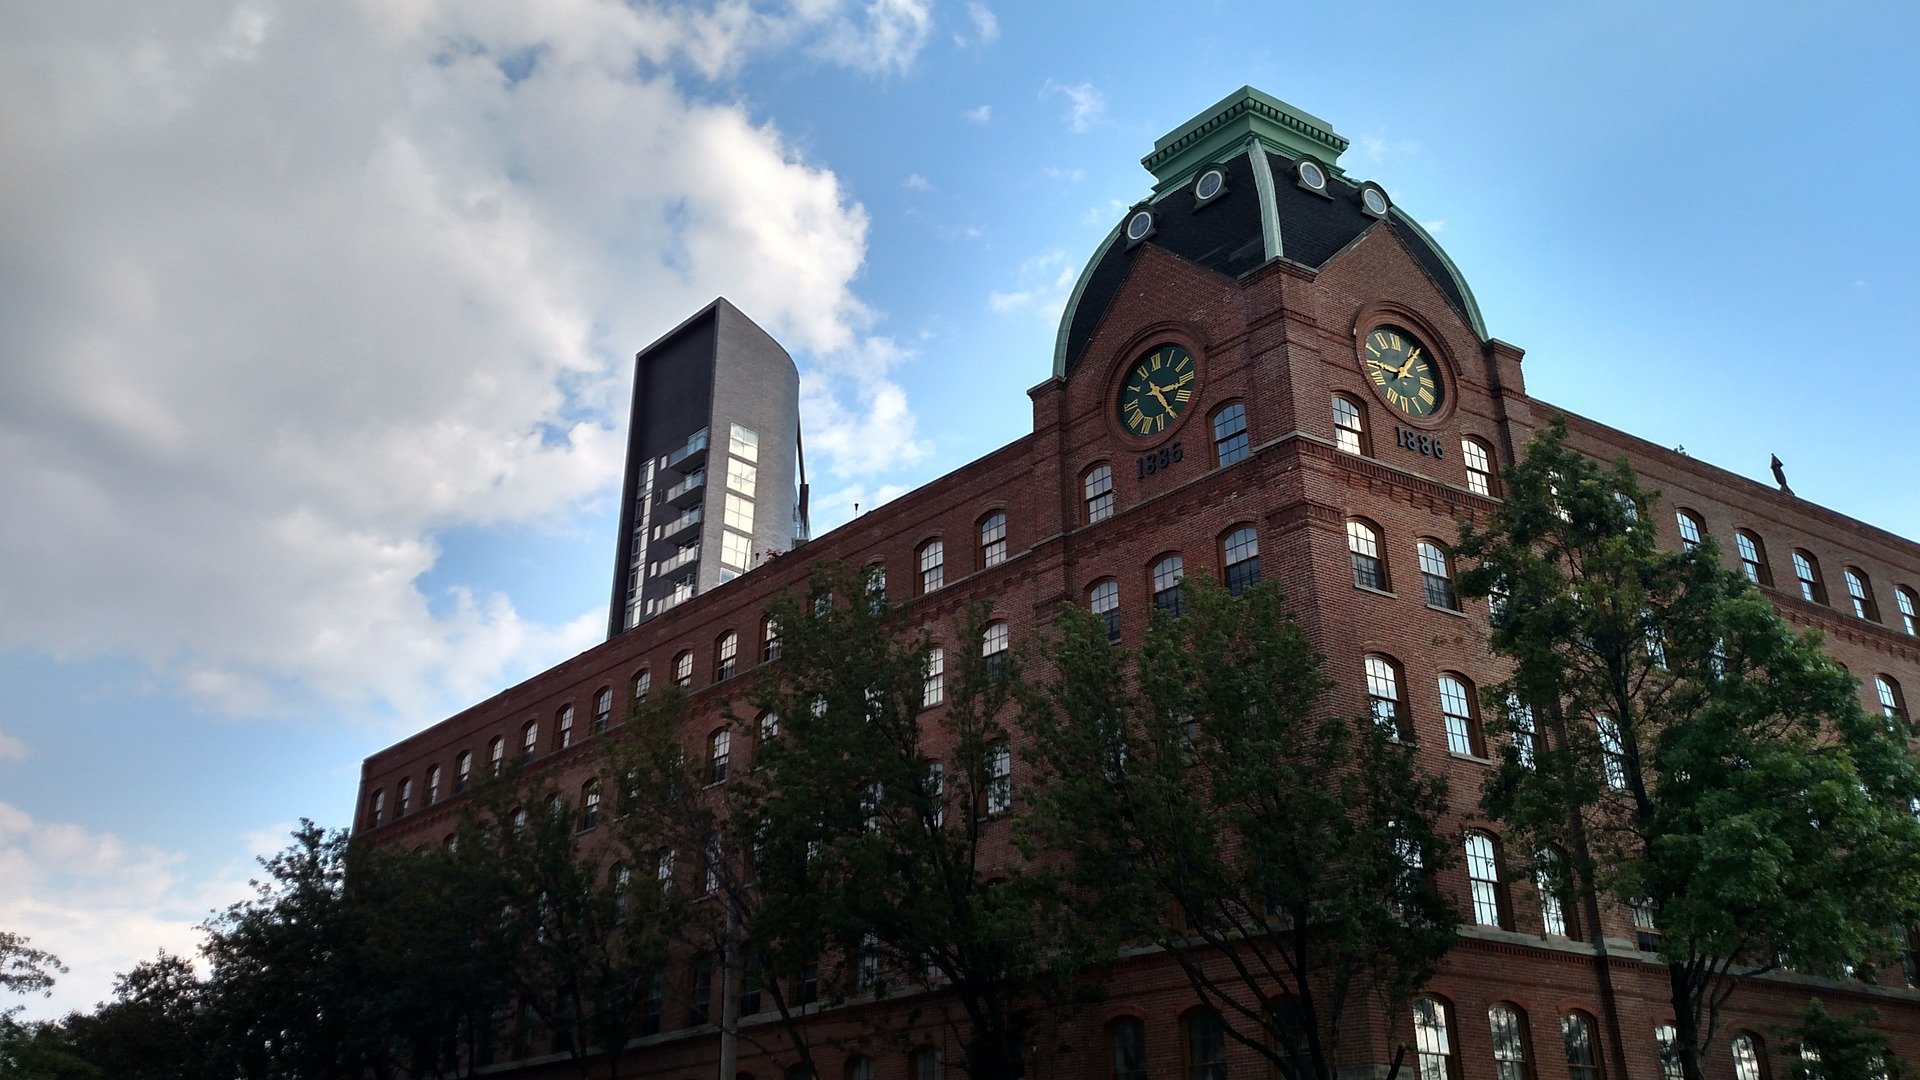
(1155, 460)
(1418, 443)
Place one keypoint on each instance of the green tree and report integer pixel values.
(1696, 758)
(579, 945)
(155, 1028)
(883, 819)
(1826, 1046)
(1281, 854)
(38, 1051)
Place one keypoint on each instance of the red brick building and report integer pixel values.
(1327, 383)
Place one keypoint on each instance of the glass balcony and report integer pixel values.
(690, 456)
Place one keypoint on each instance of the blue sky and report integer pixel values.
(316, 324)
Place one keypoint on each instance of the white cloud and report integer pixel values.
(12, 749)
(1086, 106)
(101, 904)
(986, 27)
(916, 182)
(1380, 150)
(1041, 287)
(1055, 172)
(979, 114)
(288, 290)
(877, 432)
(1434, 226)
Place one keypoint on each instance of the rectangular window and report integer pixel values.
(1099, 493)
(700, 993)
(933, 689)
(744, 443)
(741, 476)
(735, 550)
(739, 513)
(999, 779)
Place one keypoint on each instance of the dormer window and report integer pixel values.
(1210, 186)
(1139, 226)
(1373, 200)
(1311, 176)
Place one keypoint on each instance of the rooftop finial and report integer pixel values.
(1780, 474)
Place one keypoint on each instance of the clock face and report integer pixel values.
(1404, 370)
(1156, 390)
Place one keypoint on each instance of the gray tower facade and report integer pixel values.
(715, 482)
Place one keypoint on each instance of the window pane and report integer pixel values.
(1206, 1046)
(1509, 1043)
(933, 556)
(1230, 434)
(1104, 600)
(1242, 560)
(1099, 493)
(1552, 915)
(1746, 1058)
(1689, 530)
(1129, 1050)
(1349, 430)
(1479, 467)
(1368, 571)
(1456, 704)
(993, 540)
(1430, 1039)
(1166, 585)
(1483, 872)
(1383, 695)
(1577, 1036)
(1436, 576)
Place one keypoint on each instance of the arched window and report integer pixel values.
(936, 794)
(1363, 541)
(1206, 1039)
(683, 669)
(1909, 606)
(859, 1068)
(602, 709)
(589, 805)
(1806, 569)
(462, 772)
(1436, 575)
(933, 681)
(1168, 595)
(1384, 701)
(642, 684)
(1096, 489)
(1860, 592)
(1613, 752)
(529, 740)
(1350, 425)
(726, 652)
(769, 726)
(1483, 874)
(433, 784)
(497, 754)
(1746, 1057)
(876, 588)
(1230, 434)
(1240, 555)
(1548, 867)
(1431, 1044)
(1287, 1024)
(719, 753)
(924, 1064)
(1462, 715)
(1520, 730)
(405, 801)
(1666, 1044)
(377, 810)
(1103, 599)
(1893, 704)
(993, 539)
(769, 640)
(1479, 461)
(1753, 557)
(1128, 1036)
(933, 562)
(994, 643)
(1691, 531)
(1509, 1026)
(1576, 1035)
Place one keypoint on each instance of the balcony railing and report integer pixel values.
(681, 490)
(691, 454)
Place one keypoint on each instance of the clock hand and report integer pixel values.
(1412, 358)
(1154, 389)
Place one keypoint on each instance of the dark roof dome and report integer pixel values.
(1244, 183)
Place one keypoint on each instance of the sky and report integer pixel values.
(317, 320)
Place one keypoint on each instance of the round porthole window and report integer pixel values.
(1139, 225)
(1375, 201)
(1313, 176)
(1210, 184)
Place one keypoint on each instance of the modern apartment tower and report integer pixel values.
(715, 481)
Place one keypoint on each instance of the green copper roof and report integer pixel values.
(1242, 117)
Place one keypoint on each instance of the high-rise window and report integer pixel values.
(1483, 874)
(529, 740)
(1509, 1028)
(1230, 434)
(683, 670)
(589, 805)
(463, 771)
(1432, 1046)
(999, 793)
(1860, 593)
(1363, 541)
(1479, 462)
(602, 709)
(719, 755)
(1806, 569)
(1168, 594)
(497, 754)
(1547, 868)
(1103, 599)
(1462, 717)
(1384, 702)
(1576, 1035)
(993, 539)
(1613, 752)
(1521, 734)
(433, 784)
(1893, 704)
(378, 810)
(1909, 606)
(1129, 1039)
(563, 728)
(1753, 557)
(1691, 531)
(1436, 575)
(1746, 1058)
(742, 476)
(726, 653)
(1349, 425)
(1241, 557)
(994, 643)
(1666, 1044)
(933, 560)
